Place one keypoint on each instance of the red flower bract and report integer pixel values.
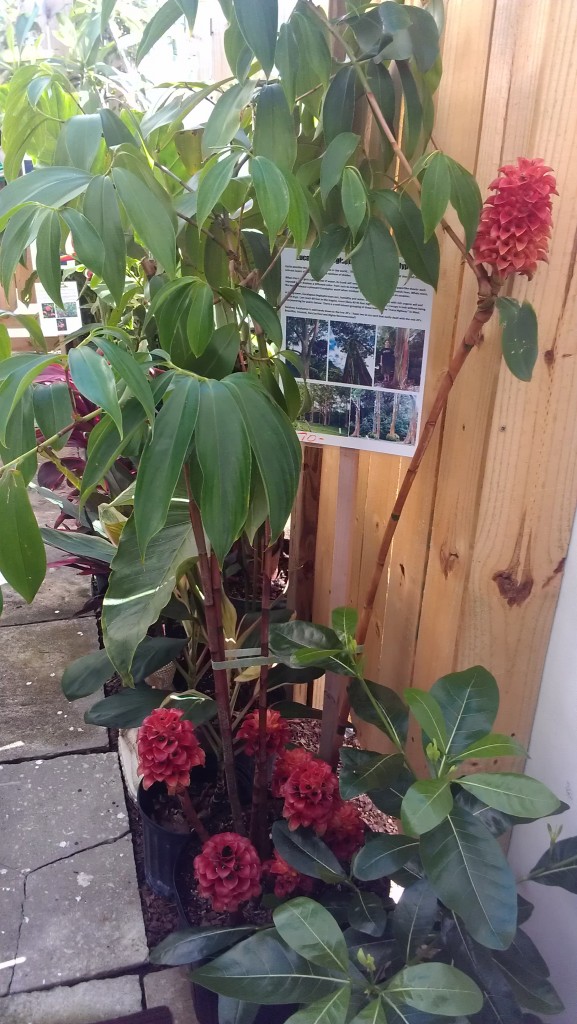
(284, 765)
(515, 222)
(346, 830)
(309, 794)
(277, 732)
(286, 878)
(167, 749)
(228, 871)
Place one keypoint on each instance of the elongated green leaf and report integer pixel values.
(263, 314)
(79, 140)
(512, 793)
(326, 250)
(130, 371)
(224, 120)
(305, 852)
(114, 130)
(436, 192)
(335, 158)
(339, 104)
(106, 445)
(298, 220)
(138, 590)
(519, 337)
(500, 1005)
(238, 54)
(22, 555)
(365, 770)
(367, 913)
(48, 254)
(436, 988)
(288, 639)
(148, 217)
(354, 199)
(527, 974)
(88, 245)
(331, 1009)
(382, 855)
(200, 320)
(470, 874)
(190, 945)
(384, 92)
(406, 221)
(310, 930)
(220, 355)
(213, 180)
(375, 264)
(101, 210)
(272, 194)
(162, 20)
(413, 120)
(466, 199)
(380, 706)
(5, 344)
(492, 745)
(414, 918)
(16, 374)
(372, 1013)
(126, 709)
(95, 380)
(425, 805)
(21, 438)
(21, 230)
(48, 186)
(558, 865)
(87, 674)
(274, 128)
(428, 715)
(469, 701)
(53, 410)
(82, 544)
(258, 22)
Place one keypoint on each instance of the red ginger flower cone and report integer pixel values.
(346, 830)
(277, 732)
(167, 750)
(228, 871)
(284, 765)
(309, 795)
(286, 878)
(515, 222)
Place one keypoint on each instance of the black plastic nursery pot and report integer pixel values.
(161, 846)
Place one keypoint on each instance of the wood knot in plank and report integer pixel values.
(556, 571)
(448, 560)
(515, 584)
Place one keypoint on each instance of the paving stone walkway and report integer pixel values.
(72, 943)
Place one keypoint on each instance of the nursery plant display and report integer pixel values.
(177, 392)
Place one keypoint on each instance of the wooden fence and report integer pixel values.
(477, 561)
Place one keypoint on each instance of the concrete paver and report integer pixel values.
(77, 1004)
(11, 900)
(171, 988)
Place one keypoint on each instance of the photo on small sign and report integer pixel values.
(399, 358)
(309, 339)
(351, 353)
(360, 413)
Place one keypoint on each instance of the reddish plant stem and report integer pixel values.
(192, 817)
(211, 585)
(258, 830)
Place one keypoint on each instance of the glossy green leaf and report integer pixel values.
(372, 1013)
(383, 854)
(238, 54)
(289, 639)
(200, 321)
(53, 410)
(414, 918)
(87, 674)
(130, 371)
(305, 852)
(344, 621)
(558, 865)
(20, 231)
(519, 337)
(375, 264)
(331, 1009)
(381, 83)
(101, 210)
(162, 20)
(424, 37)
(220, 355)
(310, 930)
(115, 130)
(327, 248)
(298, 220)
(22, 555)
(428, 715)
(126, 709)
(223, 451)
(354, 199)
(213, 180)
(500, 1005)
(87, 243)
(274, 128)
(149, 219)
(5, 344)
(466, 199)
(471, 876)
(380, 706)
(80, 138)
(272, 194)
(492, 745)
(224, 120)
(528, 975)
(413, 113)
(47, 186)
(16, 374)
(21, 438)
(95, 380)
(190, 945)
(82, 544)
(406, 220)
(367, 913)
(365, 770)
(435, 192)
(335, 158)
(48, 255)
(436, 988)
(258, 22)
(512, 793)
(106, 445)
(339, 104)
(425, 805)
(469, 701)
(263, 314)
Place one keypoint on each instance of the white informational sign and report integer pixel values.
(53, 320)
(365, 370)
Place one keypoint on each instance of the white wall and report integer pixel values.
(553, 760)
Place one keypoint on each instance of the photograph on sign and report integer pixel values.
(364, 370)
(55, 320)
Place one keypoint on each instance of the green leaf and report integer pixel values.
(87, 674)
(380, 706)
(200, 321)
(212, 182)
(335, 158)
(126, 709)
(81, 544)
(148, 217)
(414, 918)
(436, 988)
(220, 355)
(95, 380)
(162, 20)
(298, 220)
(558, 865)
(466, 199)
(47, 186)
(405, 218)
(305, 852)
(326, 249)
(5, 344)
(101, 209)
(223, 451)
(365, 770)
(435, 192)
(263, 314)
(492, 745)
(258, 22)
(339, 104)
(21, 438)
(274, 128)
(310, 930)
(425, 805)
(22, 555)
(383, 854)
(48, 254)
(413, 119)
(16, 374)
(272, 194)
(130, 371)
(428, 715)
(238, 54)
(372, 1013)
(519, 337)
(344, 622)
(106, 445)
(331, 1009)
(527, 974)
(289, 639)
(190, 945)
(263, 969)
(224, 120)
(424, 37)
(53, 409)
(469, 701)
(367, 913)
(139, 590)
(115, 131)
(196, 707)
(354, 199)
(375, 265)
(20, 231)
(163, 458)
(512, 793)
(80, 138)
(88, 244)
(471, 876)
